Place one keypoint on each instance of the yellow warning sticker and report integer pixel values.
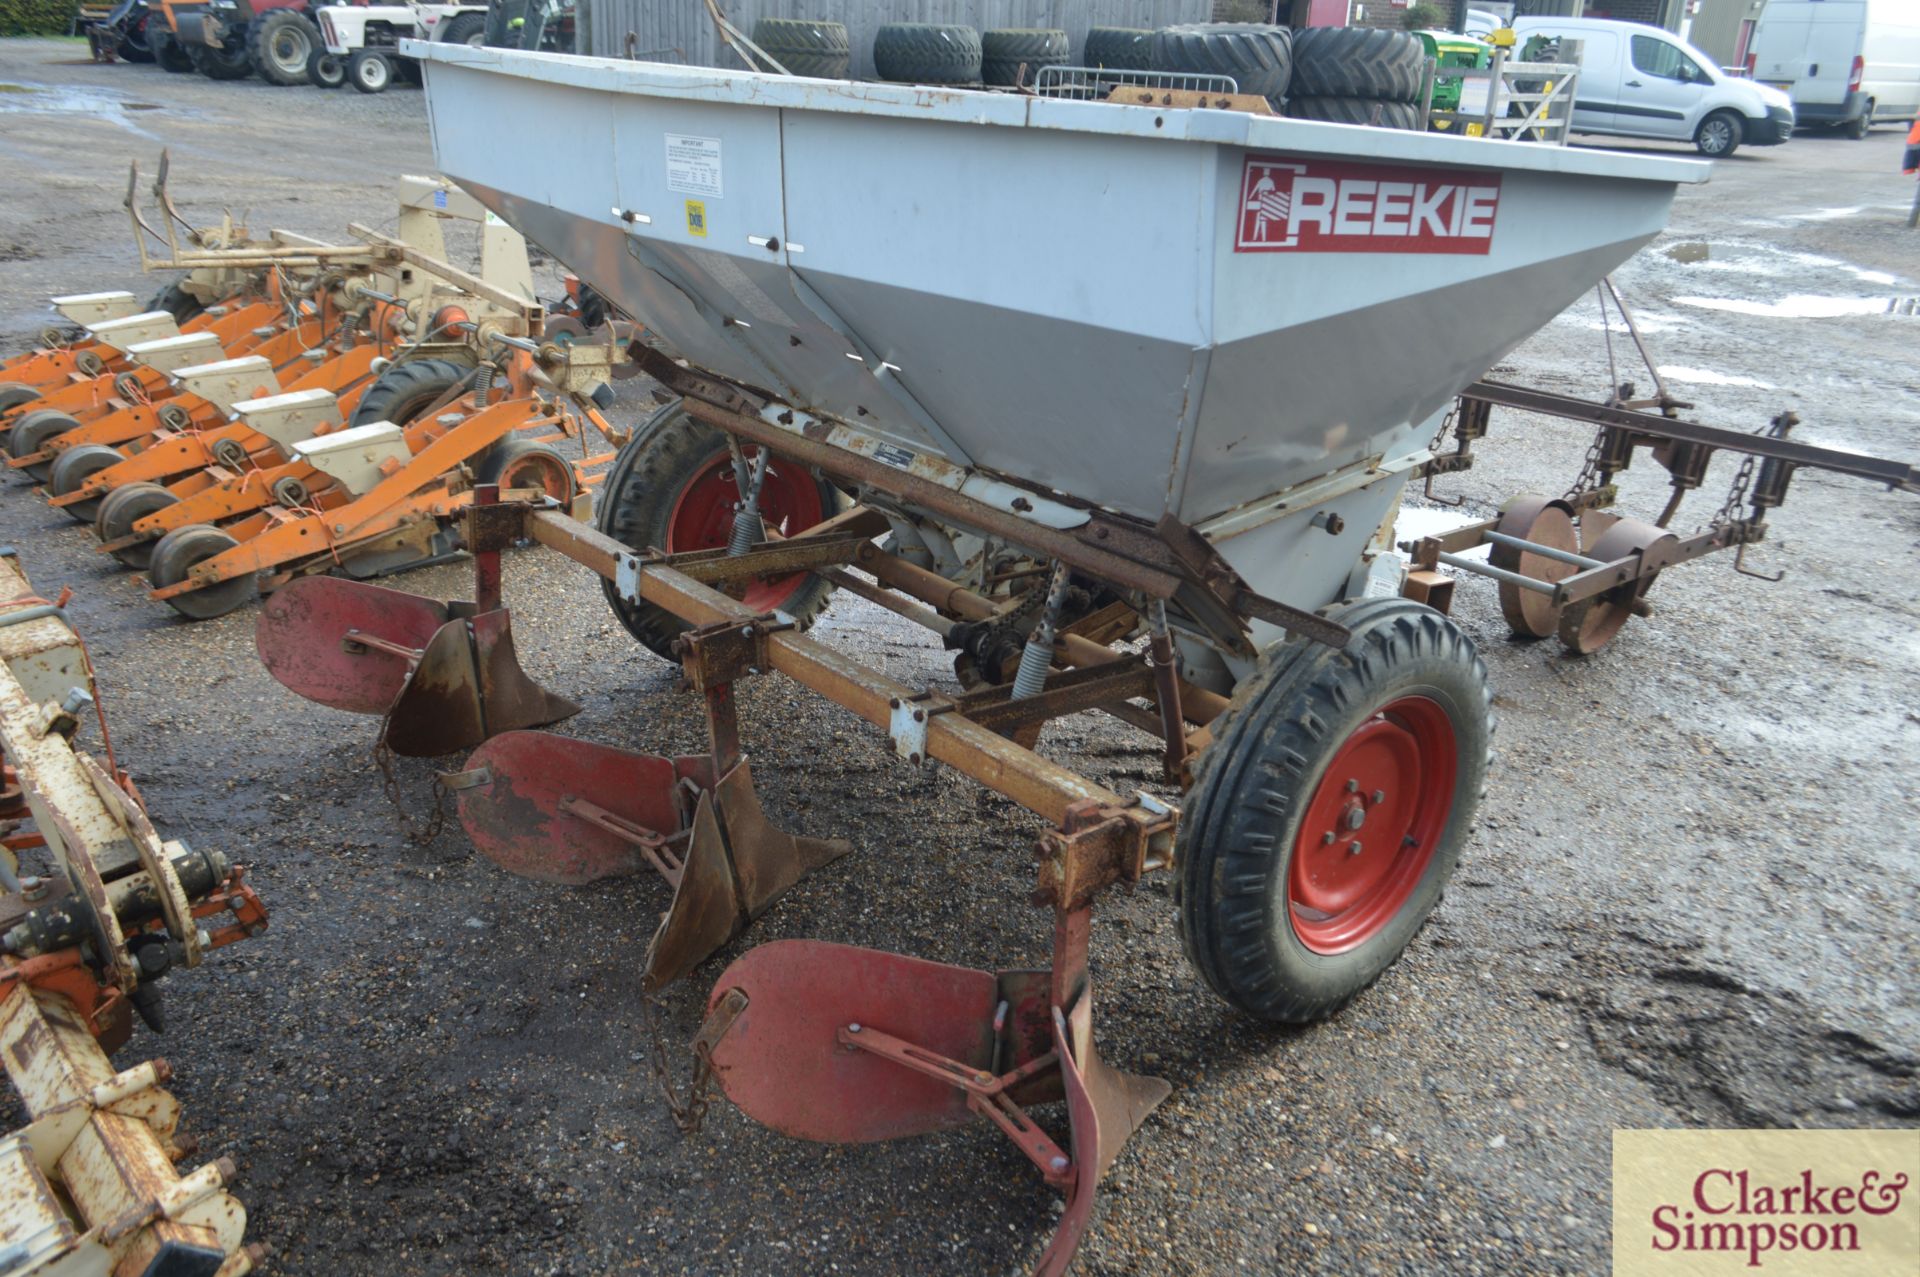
(697, 218)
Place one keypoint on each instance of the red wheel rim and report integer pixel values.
(1372, 825)
(702, 517)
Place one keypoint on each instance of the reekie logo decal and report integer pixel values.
(1309, 206)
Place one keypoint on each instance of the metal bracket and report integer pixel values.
(907, 725)
(1097, 846)
(497, 526)
(626, 576)
(765, 559)
(712, 656)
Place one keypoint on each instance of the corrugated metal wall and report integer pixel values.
(684, 25)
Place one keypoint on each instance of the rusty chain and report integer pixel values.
(1588, 478)
(690, 1113)
(1729, 511)
(390, 786)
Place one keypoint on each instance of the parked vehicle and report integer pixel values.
(232, 39)
(359, 42)
(117, 31)
(1450, 49)
(1640, 81)
(1850, 64)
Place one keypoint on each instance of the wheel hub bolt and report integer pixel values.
(1326, 838)
(1356, 818)
(1353, 786)
(1353, 848)
(1379, 796)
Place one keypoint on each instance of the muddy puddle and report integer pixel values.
(42, 99)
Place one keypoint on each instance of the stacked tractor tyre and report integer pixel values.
(1258, 57)
(817, 50)
(927, 53)
(1118, 48)
(1354, 75)
(1014, 56)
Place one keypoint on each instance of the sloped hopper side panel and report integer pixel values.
(1329, 353)
(1043, 293)
(1073, 308)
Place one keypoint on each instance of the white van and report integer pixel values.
(1640, 81)
(1848, 63)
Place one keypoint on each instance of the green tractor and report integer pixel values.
(1452, 49)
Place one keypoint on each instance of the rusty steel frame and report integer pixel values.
(1427, 553)
(1649, 428)
(1683, 448)
(1036, 783)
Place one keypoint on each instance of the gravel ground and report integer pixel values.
(1691, 901)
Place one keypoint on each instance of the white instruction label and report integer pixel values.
(693, 165)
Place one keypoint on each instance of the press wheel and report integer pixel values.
(174, 556)
(1546, 522)
(72, 470)
(1589, 625)
(124, 507)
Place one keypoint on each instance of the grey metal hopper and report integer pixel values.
(1153, 310)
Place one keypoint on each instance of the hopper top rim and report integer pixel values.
(1232, 128)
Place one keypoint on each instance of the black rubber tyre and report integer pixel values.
(281, 43)
(637, 502)
(133, 46)
(927, 53)
(1358, 62)
(465, 28)
(369, 71)
(404, 391)
(13, 394)
(230, 63)
(1379, 115)
(176, 301)
(816, 49)
(124, 507)
(594, 309)
(32, 431)
(174, 556)
(1118, 48)
(1261, 782)
(326, 70)
(1004, 52)
(72, 469)
(1719, 135)
(1259, 57)
(1859, 128)
(169, 53)
(522, 463)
